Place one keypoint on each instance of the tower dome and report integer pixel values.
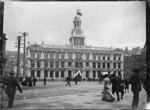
(77, 18)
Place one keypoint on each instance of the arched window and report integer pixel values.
(32, 73)
(45, 73)
(45, 63)
(38, 63)
(51, 73)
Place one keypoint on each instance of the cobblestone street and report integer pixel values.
(55, 95)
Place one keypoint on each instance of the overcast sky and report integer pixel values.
(105, 24)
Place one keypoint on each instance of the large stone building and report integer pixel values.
(60, 61)
(135, 58)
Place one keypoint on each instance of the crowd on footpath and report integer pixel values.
(112, 85)
(116, 85)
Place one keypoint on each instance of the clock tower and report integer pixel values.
(77, 38)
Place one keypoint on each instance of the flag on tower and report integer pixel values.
(78, 12)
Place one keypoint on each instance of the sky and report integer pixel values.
(105, 24)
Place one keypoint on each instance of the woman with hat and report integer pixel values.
(107, 95)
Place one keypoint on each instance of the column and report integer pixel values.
(59, 74)
(66, 73)
(83, 74)
(54, 74)
(42, 73)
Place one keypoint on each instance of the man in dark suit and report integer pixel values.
(11, 83)
(136, 87)
(116, 85)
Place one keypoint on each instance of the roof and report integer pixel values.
(52, 47)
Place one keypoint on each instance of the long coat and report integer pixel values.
(116, 83)
(11, 84)
(135, 82)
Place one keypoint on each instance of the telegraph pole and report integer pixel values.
(24, 54)
(18, 56)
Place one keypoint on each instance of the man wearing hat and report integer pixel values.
(136, 87)
(11, 83)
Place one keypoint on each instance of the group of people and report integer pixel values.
(118, 86)
(115, 84)
(28, 81)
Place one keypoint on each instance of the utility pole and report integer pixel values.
(24, 54)
(18, 56)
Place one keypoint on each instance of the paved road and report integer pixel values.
(55, 95)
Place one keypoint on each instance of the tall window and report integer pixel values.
(108, 65)
(45, 63)
(57, 74)
(38, 55)
(103, 65)
(87, 63)
(87, 74)
(62, 63)
(38, 73)
(94, 74)
(114, 57)
(119, 65)
(108, 57)
(51, 63)
(32, 54)
(62, 74)
(99, 57)
(69, 55)
(62, 55)
(94, 56)
(87, 56)
(32, 63)
(38, 63)
(51, 55)
(69, 63)
(46, 55)
(69, 73)
(57, 64)
(94, 65)
(56, 55)
(99, 65)
(103, 57)
(119, 57)
(114, 65)
(32, 73)
(45, 73)
(51, 73)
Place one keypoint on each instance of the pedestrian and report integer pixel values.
(136, 87)
(116, 85)
(107, 95)
(68, 81)
(122, 88)
(45, 80)
(126, 85)
(30, 81)
(34, 81)
(76, 80)
(11, 83)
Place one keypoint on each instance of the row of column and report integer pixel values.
(66, 73)
(84, 64)
(74, 56)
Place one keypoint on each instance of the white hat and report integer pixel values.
(104, 73)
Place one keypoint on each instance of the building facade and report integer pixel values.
(60, 61)
(135, 59)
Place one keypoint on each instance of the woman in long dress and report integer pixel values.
(107, 95)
